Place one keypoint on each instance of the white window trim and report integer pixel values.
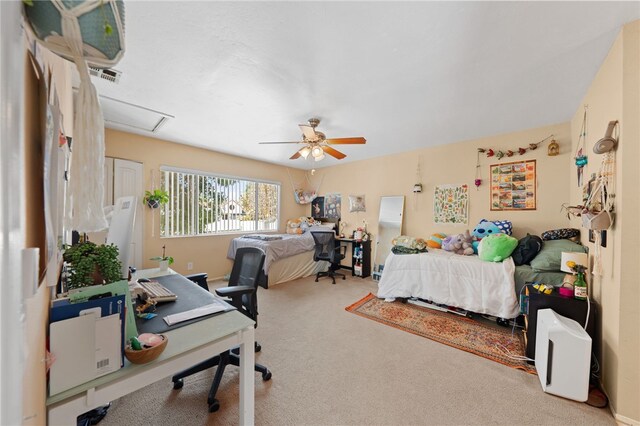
(166, 168)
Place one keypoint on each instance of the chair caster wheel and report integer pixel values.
(266, 376)
(214, 406)
(178, 384)
(258, 348)
(316, 280)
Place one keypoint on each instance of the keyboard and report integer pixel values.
(157, 292)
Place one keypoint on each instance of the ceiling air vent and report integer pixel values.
(106, 74)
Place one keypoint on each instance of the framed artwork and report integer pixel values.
(317, 208)
(513, 186)
(451, 204)
(332, 206)
(356, 203)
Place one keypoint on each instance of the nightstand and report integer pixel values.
(562, 305)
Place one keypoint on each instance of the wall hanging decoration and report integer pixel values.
(499, 154)
(317, 208)
(332, 206)
(478, 181)
(513, 186)
(581, 157)
(356, 203)
(553, 149)
(83, 31)
(451, 204)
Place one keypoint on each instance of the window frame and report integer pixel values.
(184, 170)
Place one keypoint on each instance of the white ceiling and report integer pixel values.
(403, 75)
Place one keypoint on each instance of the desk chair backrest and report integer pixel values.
(325, 248)
(247, 270)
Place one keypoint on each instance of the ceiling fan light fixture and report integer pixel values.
(317, 152)
(319, 157)
(305, 152)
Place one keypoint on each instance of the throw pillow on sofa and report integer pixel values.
(549, 257)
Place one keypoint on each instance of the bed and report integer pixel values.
(446, 278)
(287, 256)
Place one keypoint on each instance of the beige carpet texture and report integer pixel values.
(331, 367)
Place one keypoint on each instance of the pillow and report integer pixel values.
(549, 257)
(527, 249)
(560, 234)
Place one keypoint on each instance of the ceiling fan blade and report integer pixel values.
(267, 143)
(294, 156)
(308, 132)
(344, 141)
(333, 152)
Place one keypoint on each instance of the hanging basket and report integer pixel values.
(154, 204)
(99, 23)
(304, 197)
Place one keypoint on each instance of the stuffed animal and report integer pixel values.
(485, 228)
(435, 240)
(459, 244)
(293, 226)
(497, 247)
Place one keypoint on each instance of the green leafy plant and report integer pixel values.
(91, 264)
(164, 257)
(156, 198)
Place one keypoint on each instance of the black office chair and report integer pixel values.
(327, 250)
(242, 292)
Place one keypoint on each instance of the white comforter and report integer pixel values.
(454, 280)
(289, 245)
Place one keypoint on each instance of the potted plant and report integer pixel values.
(156, 197)
(164, 261)
(90, 264)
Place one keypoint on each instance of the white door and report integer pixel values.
(127, 180)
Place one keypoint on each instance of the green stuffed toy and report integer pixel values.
(497, 247)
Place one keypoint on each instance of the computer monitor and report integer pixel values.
(120, 231)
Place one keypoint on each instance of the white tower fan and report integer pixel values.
(563, 356)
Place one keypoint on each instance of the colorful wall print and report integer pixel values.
(513, 186)
(451, 204)
(317, 208)
(332, 206)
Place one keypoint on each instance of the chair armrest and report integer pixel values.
(200, 279)
(236, 290)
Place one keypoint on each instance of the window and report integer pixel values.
(202, 204)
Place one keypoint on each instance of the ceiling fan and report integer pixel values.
(316, 143)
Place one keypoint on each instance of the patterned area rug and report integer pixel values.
(450, 329)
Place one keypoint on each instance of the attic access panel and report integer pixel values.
(126, 115)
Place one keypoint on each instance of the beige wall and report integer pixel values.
(208, 253)
(615, 95)
(455, 164)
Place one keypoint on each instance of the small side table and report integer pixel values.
(562, 305)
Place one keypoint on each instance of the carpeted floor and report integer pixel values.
(498, 344)
(331, 367)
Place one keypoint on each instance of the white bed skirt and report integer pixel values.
(446, 278)
(294, 267)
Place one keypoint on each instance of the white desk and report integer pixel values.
(187, 346)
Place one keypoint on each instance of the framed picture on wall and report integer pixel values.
(317, 208)
(513, 186)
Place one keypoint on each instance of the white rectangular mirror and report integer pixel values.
(389, 227)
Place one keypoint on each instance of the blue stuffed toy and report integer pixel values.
(483, 229)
